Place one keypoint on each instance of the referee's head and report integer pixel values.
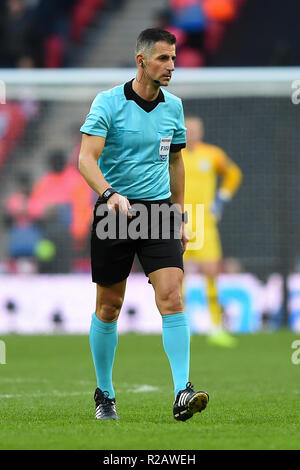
(149, 37)
(155, 54)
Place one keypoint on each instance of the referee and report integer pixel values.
(131, 154)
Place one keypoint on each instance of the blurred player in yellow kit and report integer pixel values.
(204, 164)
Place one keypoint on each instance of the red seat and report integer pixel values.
(214, 35)
(180, 35)
(82, 15)
(54, 51)
(189, 57)
(12, 126)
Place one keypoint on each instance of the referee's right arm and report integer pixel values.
(91, 148)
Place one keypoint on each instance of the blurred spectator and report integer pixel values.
(219, 14)
(38, 33)
(61, 200)
(186, 20)
(19, 38)
(23, 233)
(53, 23)
(163, 20)
(189, 16)
(220, 10)
(199, 27)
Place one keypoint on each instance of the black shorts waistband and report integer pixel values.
(147, 203)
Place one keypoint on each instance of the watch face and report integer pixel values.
(106, 193)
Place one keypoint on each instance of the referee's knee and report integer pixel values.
(108, 312)
(169, 301)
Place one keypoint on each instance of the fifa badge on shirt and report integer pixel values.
(164, 148)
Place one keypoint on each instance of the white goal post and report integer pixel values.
(84, 84)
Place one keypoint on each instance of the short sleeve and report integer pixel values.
(179, 136)
(98, 120)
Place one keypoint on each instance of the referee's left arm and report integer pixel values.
(177, 178)
(177, 181)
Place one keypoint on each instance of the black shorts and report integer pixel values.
(154, 238)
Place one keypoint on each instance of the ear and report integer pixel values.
(140, 60)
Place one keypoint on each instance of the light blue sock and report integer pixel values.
(103, 342)
(176, 341)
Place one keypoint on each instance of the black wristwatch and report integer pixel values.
(185, 217)
(107, 194)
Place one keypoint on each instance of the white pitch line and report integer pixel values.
(143, 388)
(57, 393)
(135, 388)
(22, 380)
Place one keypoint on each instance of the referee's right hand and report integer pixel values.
(118, 203)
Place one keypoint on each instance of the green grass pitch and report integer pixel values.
(47, 385)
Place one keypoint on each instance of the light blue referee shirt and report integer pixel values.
(139, 136)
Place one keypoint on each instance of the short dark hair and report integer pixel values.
(149, 37)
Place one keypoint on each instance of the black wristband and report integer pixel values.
(184, 217)
(108, 193)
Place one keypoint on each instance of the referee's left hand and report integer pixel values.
(184, 236)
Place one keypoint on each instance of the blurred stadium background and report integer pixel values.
(237, 61)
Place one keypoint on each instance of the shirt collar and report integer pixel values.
(147, 106)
